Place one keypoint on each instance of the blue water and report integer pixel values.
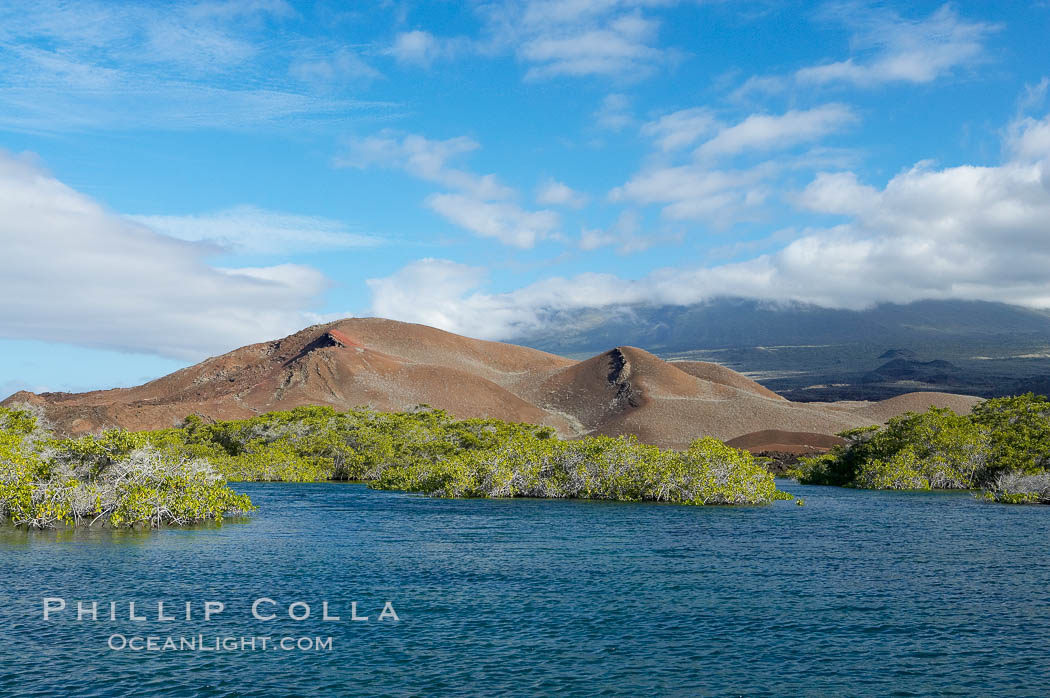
(856, 593)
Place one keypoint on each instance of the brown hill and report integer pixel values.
(777, 441)
(390, 365)
(716, 373)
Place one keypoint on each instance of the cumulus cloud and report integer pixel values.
(887, 48)
(254, 230)
(612, 38)
(902, 50)
(768, 131)
(962, 232)
(501, 220)
(614, 113)
(422, 48)
(621, 47)
(681, 128)
(617, 39)
(480, 203)
(838, 193)
(86, 276)
(702, 189)
(554, 193)
(625, 235)
(442, 282)
(696, 192)
(426, 159)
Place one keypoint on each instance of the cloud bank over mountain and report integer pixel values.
(230, 171)
(962, 232)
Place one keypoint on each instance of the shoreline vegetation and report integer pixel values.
(1002, 449)
(181, 475)
(119, 479)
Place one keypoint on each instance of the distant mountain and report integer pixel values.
(911, 328)
(391, 365)
(810, 353)
(937, 372)
(898, 354)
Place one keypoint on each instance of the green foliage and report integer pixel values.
(178, 475)
(597, 467)
(1020, 488)
(840, 466)
(118, 478)
(318, 443)
(939, 449)
(1019, 430)
(428, 451)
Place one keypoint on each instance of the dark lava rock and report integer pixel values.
(899, 354)
(936, 372)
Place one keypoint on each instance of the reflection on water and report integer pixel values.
(856, 593)
(20, 535)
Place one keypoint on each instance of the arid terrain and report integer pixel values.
(390, 365)
(812, 354)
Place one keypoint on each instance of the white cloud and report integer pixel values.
(621, 47)
(701, 191)
(83, 275)
(480, 202)
(426, 159)
(838, 193)
(1034, 95)
(625, 235)
(257, 231)
(554, 193)
(965, 232)
(341, 65)
(694, 192)
(561, 12)
(422, 48)
(417, 47)
(616, 39)
(888, 49)
(89, 65)
(1028, 139)
(501, 220)
(896, 49)
(761, 85)
(768, 132)
(682, 128)
(442, 282)
(614, 113)
(204, 37)
(140, 105)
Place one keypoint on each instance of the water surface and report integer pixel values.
(856, 593)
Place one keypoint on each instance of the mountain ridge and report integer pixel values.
(393, 366)
(810, 353)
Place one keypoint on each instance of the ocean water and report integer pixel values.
(855, 593)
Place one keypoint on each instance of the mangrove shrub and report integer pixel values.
(117, 478)
(1002, 447)
(428, 451)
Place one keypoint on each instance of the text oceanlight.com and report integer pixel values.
(263, 609)
(228, 643)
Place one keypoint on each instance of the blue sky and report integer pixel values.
(179, 179)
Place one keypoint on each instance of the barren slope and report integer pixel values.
(716, 373)
(795, 442)
(391, 365)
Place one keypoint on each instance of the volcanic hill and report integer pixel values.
(392, 366)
